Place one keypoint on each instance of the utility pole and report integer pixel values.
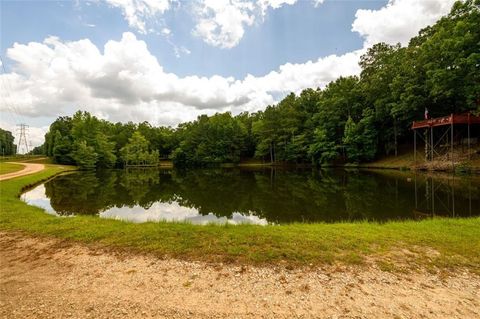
(22, 138)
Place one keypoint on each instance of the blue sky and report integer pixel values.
(292, 34)
(168, 61)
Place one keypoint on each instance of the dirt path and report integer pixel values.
(30, 168)
(48, 278)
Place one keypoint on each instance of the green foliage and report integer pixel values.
(322, 150)
(360, 138)
(38, 150)
(136, 151)
(6, 143)
(70, 137)
(216, 139)
(84, 155)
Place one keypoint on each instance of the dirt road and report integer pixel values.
(30, 168)
(48, 278)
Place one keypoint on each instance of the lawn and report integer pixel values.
(6, 168)
(431, 243)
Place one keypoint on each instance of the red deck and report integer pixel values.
(447, 120)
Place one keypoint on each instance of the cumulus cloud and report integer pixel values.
(274, 4)
(126, 82)
(220, 23)
(139, 13)
(399, 20)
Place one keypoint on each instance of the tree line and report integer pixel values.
(353, 119)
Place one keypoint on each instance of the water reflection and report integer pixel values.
(256, 196)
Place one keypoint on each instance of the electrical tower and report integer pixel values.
(22, 138)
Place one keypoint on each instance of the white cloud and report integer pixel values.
(126, 82)
(222, 23)
(399, 20)
(166, 31)
(139, 13)
(274, 4)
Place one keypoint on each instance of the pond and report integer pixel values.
(257, 196)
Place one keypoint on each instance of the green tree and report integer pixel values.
(360, 138)
(323, 149)
(84, 155)
(136, 151)
(7, 147)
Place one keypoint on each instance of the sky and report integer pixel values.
(168, 61)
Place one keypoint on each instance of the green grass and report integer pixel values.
(431, 244)
(6, 168)
(19, 158)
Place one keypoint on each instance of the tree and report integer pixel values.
(6, 143)
(62, 149)
(84, 156)
(136, 151)
(360, 138)
(323, 149)
(210, 140)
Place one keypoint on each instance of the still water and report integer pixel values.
(257, 196)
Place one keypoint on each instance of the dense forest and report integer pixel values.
(6, 143)
(353, 119)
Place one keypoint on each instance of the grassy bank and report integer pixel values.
(406, 160)
(442, 243)
(6, 168)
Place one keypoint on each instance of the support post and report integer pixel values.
(415, 146)
(468, 135)
(451, 144)
(416, 199)
(431, 143)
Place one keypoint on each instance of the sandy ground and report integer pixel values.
(30, 168)
(48, 278)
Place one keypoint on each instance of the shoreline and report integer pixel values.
(350, 243)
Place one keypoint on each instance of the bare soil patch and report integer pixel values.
(50, 278)
(30, 168)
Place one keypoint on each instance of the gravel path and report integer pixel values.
(29, 168)
(48, 278)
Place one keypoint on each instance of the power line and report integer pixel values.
(8, 89)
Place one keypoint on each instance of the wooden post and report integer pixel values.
(425, 135)
(451, 143)
(416, 200)
(431, 143)
(415, 146)
(468, 135)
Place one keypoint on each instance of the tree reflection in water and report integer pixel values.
(274, 195)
